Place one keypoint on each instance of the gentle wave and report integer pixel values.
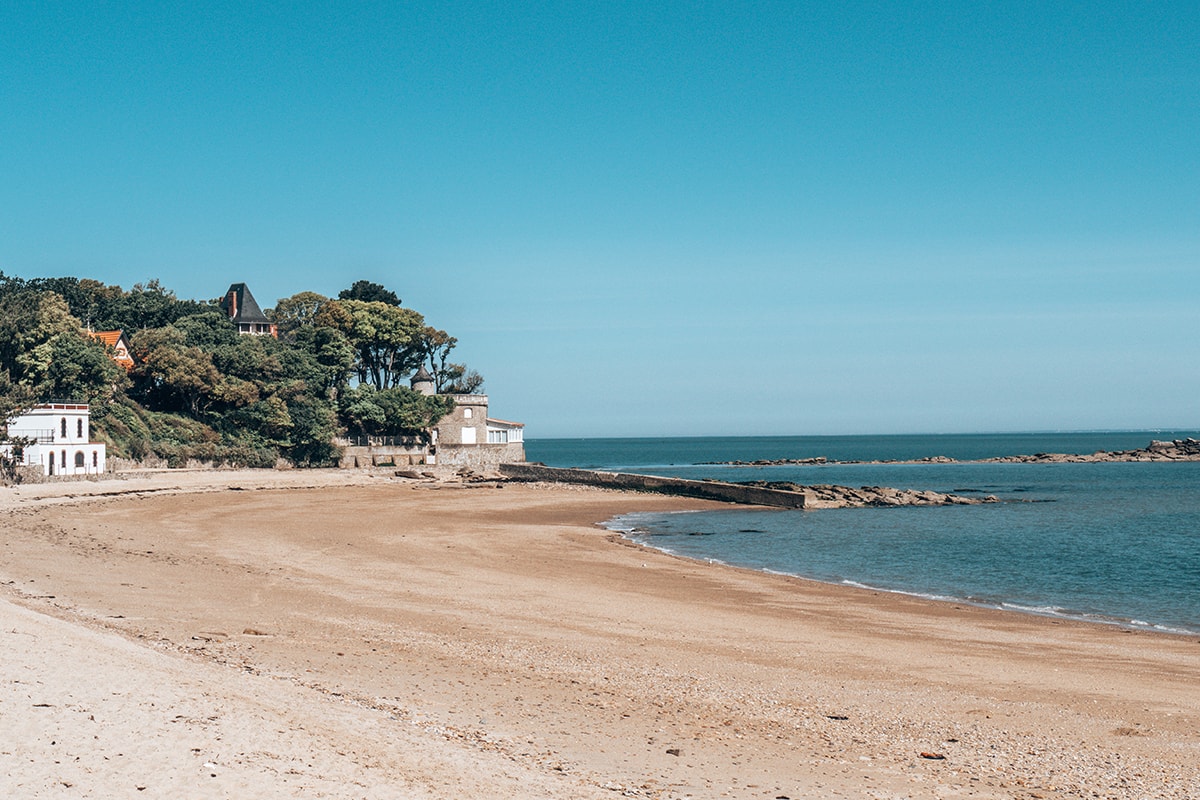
(641, 536)
(1113, 544)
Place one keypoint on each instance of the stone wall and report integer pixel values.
(371, 456)
(34, 474)
(480, 456)
(706, 490)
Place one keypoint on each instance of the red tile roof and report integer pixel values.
(113, 339)
(109, 338)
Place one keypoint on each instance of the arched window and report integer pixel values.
(79, 462)
(64, 428)
(64, 459)
(79, 428)
(51, 462)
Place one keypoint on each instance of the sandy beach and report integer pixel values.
(359, 635)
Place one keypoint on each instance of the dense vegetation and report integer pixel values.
(198, 390)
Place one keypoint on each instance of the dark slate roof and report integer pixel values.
(244, 308)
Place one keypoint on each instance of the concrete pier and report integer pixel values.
(705, 490)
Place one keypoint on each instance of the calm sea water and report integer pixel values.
(1117, 543)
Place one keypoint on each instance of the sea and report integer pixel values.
(1112, 543)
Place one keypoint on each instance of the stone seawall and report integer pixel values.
(779, 495)
(480, 456)
(357, 457)
(705, 490)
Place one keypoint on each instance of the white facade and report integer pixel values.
(57, 438)
(500, 431)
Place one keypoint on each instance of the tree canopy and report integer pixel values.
(200, 390)
(370, 293)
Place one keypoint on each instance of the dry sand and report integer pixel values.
(346, 635)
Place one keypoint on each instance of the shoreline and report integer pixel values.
(498, 635)
(170, 482)
(1095, 618)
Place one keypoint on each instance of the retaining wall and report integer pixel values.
(398, 455)
(480, 456)
(706, 490)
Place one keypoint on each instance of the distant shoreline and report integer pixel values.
(1156, 451)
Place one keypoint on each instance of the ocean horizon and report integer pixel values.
(1115, 543)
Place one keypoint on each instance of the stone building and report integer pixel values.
(57, 438)
(245, 313)
(467, 435)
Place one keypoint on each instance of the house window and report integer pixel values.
(79, 428)
(95, 460)
(79, 462)
(497, 437)
(466, 415)
(64, 454)
(64, 435)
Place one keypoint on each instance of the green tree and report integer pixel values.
(461, 380)
(18, 312)
(268, 420)
(435, 347)
(314, 425)
(150, 305)
(386, 339)
(93, 303)
(392, 412)
(295, 312)
(208, 330)
(13, 400)
(200, 391)
(29, 324)
(370, 293)
(175, 376)
(80, 369)
(332, 352)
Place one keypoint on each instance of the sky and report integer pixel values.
(654, 219)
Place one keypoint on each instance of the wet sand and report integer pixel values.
(326, 634)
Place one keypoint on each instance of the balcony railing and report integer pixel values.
(379, 441)
(38, 436)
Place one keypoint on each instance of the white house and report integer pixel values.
(56, 437)
(501, 431)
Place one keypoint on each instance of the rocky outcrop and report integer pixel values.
(832, 496)
(1177, 450)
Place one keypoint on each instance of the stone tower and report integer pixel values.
(422, 382)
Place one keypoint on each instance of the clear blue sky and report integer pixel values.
(655, 218)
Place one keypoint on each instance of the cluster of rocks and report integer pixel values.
(819, 460)
(1177, 450)
(772, 462)
(832, 496)
(459, 475)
